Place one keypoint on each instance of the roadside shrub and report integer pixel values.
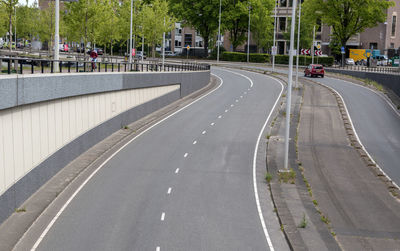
(305, 60)
(242, 57)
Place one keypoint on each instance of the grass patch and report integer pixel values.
(374, 84)
(20, 210)
(303, 223)
(268, 177)
(288, 177)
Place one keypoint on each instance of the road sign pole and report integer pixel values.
(219, 31)
(312, 47)
(130, 37)
(56, 35)
(289, 88)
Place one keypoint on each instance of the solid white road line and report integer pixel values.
(162, 216)
(271, 247)
(355, 133)
(169, 190)
(109, 158)
(186, 154)
(177, 170)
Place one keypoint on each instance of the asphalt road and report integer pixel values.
(186, 184)
(375, 121)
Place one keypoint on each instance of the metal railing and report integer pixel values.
(378, 69)
(16, 65)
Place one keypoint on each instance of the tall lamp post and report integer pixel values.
(274, 45)
(57, 35)
(219, 31)
(248, 38)
(298, 45)
(163, 46)
(289, 88)
(130, 36)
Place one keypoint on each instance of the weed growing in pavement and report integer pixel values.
(282, 229)
(315, 202)
(284, 113)
(303, 223)
(325, 219)
(126, 127)
(268, 136)
(283, 95)
(288, 177)
(268, 177)
(398, 107)
(275, 210)
(374, 84)
(20, 210)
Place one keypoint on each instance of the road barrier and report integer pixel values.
(16, 65)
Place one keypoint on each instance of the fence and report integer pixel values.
(32, 66)
(379, 69)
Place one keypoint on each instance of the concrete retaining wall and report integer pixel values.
(49, 122)
(389, 81)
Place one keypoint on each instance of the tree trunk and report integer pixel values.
(206, 45)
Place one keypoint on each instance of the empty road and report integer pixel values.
(186, 184)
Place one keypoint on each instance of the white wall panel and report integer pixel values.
(29, 134)
(2, 167)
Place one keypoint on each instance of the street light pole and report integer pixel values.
(219, 31)
(57, 35)
(130, 37)
(312, 46)
(298, 45)
(289, 88)
(163, 46)
(248, 38)
(273, 53)
(15, 27)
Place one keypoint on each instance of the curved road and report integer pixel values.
(186, 184)
(375, 121)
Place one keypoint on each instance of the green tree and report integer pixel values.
(235, 19)
(201, 15)
(27, 21)
(262, 22)
(349, 17)
(154, 26)
(124, 13)
(9, 7)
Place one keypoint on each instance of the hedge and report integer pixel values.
(279, 59)
(305, 60)
(242, 57)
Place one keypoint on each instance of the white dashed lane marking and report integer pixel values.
(177, 170)
(186, 154)
(232, 105)
(212, 124)
(236, 100)
(158, 249)
(162, 216)
(219, 116)
(169, 190)
(226, 110)
(204, 132)
(194, 142)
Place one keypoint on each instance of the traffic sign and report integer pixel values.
(274, 50)
(342, 50)
(133, 51)
(305, 52)
(318, 53)
(318, 46)
(188, 47)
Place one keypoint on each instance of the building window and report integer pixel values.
(373, 46)
(391, 45)
(394, 19)
(282, 3)
(177, 43)
(282, 23)
(188, 39)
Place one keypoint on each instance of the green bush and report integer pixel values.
(242, 57)
(305, 60)
(213, 54)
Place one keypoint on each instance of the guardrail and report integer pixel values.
(380, 69)
(31, 66)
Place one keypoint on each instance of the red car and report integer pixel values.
(314, 70)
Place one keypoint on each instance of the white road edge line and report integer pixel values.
(169, 190)
(355, 133)
(376, 92)
(109, 158)
(264, 227)
(162, 216)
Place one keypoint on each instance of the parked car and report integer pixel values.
(139, 55)
(382, 60)
(314, 70)
(170, 54)
(349, 61)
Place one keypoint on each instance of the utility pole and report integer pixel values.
(130, 37)
(312, 46)
(163, 46)
(274, 43)
(248, 38)
(219, 31)
(298, 45)
(57, 35)
(289, 88)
